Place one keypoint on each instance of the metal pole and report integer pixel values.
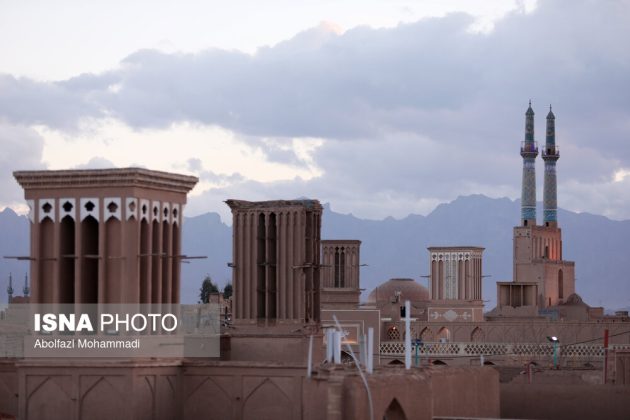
(330, 338)
(362, 350)
(417, 361)
(407, 334)
(370, 350)
(310, 357)
(605, 356)
(555, 355)
(337, 348)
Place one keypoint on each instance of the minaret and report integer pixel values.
(10, 288)
(550, 155)
(26, 290)
(529, 151)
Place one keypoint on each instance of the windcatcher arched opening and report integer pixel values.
(261, 289)
(145, 262)
(89, 269)
(67, 260)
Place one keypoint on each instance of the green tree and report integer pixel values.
(207, 287)
(227, 291)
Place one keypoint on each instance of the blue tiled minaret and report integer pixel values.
(529, 151)
(10, 288)
(550, 155)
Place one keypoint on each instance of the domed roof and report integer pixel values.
(408, 289)
(575, 300)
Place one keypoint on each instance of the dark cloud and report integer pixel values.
(58, 105)
(428, 109)
(433, 77)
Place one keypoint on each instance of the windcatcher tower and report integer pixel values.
(276, 275)
(529, 151)
(276, 251)
(105, 235)
(340, 274)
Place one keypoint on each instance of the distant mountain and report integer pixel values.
(599, 246)
(397, 248)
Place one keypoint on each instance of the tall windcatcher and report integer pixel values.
(550, 155)
(529, 151)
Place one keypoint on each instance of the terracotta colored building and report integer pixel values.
(105, 235)
(340, 274)
(456, 274)
(276, 250)
(542, 278)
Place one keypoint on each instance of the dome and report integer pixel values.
(575, 300)
(409, 289)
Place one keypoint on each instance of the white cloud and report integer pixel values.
(69, 37)
(377, 121)
(21, 149)
(183, 147)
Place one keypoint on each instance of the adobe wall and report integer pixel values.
(562, 401)
(97, 389)
(471, 392)
(516, 331)
(425, 393)
(619, 367)
(8, 388)
(206, 389)
(288, 348)
(239, 390)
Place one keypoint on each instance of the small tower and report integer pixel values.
(10, 288)
(340, 274)
(529, 151)
(276, 258)
(26, 290)
(550, 155)
(276, 251)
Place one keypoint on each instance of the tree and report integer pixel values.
(207, 287)
(227, 291)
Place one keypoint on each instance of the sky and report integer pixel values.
(380, 108)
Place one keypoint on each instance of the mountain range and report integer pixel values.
(392, 247)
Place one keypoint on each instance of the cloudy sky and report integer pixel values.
(378, 107)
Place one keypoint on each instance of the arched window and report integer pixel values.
(560, 285)
(394, 411)
(477, 335)
(393, 333)
(426, 335)
(444, 335)
(340, 263)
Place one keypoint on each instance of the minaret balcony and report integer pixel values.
(529, 149)
(551, 152)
